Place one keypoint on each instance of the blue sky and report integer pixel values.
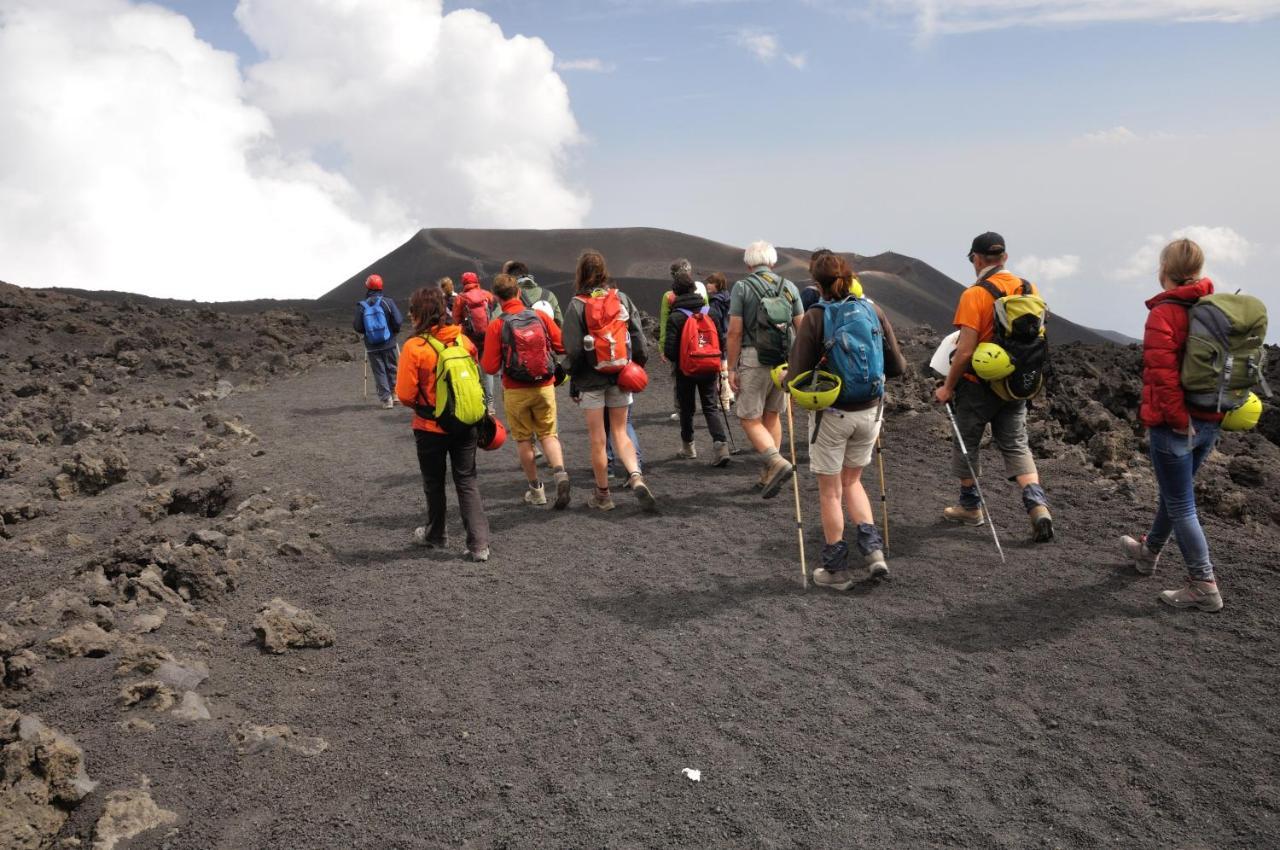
(1085, 131)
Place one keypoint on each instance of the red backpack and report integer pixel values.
(475, 314)
(699, 344)
(608, 337)
(527, 356)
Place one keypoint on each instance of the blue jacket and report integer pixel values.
(394, 320)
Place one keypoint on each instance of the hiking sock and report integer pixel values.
(1033, 496)
(769, 455)
(602, 492)
(535, 484)
(835, 556)
(969, 499)
(869, 539)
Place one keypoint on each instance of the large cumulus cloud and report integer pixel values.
(137, 157)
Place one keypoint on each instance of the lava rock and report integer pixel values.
(280, 626)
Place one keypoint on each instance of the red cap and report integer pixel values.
(470, 277)
(373, 281)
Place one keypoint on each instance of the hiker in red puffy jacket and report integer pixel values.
(1180, 437)
(472, 310)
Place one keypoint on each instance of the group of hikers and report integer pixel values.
(763, 345)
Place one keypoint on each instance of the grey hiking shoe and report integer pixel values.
(1041, 524)
(963, 516)
(420, 538)
(875, 563)
(688, 451)
(562, 492)
(834, 579)
(480, 556)
(600, 501)
(721, 455)
(389, 404)
(776, 475)
(535, 495)
(643, 494)
(1142, 558)
(1200, 595)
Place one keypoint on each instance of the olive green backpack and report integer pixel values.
(1225, 351)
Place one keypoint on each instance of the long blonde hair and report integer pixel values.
(1181, 261)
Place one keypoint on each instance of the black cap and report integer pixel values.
(989, 244)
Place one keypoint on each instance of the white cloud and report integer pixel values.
(797, 60)
(761, 45)
(135, 156)
(1114, 136)
(592, 65)
(1048, 269)
(941, 17)
(1222, 246)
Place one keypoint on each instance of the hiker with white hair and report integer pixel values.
(764, 313)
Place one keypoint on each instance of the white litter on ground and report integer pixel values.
(694, 775)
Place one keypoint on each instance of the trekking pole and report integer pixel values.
(728, 429)
(366, 376)
(884, 497)
(955, 428)
(795, 481)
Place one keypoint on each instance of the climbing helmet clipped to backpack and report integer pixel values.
(633, 378)
(1245, 417)
(777, 373)
(991, 362)
(1225, 352)
(815, 390)
(1020, 330)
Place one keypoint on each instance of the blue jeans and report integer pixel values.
(631, 432)
(1176, 461)
(382, 363)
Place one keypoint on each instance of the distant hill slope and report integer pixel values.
(912, 292)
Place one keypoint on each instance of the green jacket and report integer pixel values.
(532, 293)
(664, 311)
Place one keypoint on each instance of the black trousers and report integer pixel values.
(707, 389)
(435, 452)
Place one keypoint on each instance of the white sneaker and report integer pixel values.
(535, 495)
(675, 417)
(389, 404)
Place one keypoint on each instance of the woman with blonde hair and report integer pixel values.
(1180, 437)
(437, 449)
(598, 390)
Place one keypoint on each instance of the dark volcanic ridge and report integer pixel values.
(912, 292)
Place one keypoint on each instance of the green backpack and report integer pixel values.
(774, 331)
(460, 403)
(1225, 354)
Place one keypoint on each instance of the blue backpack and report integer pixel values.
(854, 344)
(376, 329)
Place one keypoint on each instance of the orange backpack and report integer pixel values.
(607, 334)
(699, 344)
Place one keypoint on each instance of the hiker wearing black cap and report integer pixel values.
(378, 320)
(976, 404)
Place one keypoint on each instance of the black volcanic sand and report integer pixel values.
(552, 697)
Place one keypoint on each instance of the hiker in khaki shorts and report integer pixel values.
(756, 344)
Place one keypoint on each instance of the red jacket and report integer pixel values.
(460, 302)
(1163, 344)
(494, 356)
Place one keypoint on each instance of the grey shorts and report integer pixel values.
(610, 396)
(976, 406)
(845, 439)
(756, 392)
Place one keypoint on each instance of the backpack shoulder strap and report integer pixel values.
(991, 289)
(1026, 285)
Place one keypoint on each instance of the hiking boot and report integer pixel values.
(420, 538)
(776, 475)
(600, 501)
(562, 492)
(1142, 558)
(721, 458)
(834, 579)
(535, 495)
(1041, 524)
(1200, 595)
(764, 476)
(480, 556)
(962, 515)
(389, 404)
(688, 451)
(875, 562)
(643, 494)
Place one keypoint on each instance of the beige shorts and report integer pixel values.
(845, 439)
(530, 411)
(610, 396)
(756, 392)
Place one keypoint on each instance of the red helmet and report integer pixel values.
(470, 277)
(373, 281)
(633, 378)
(491, 433)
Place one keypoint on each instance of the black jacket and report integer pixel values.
(675, 324)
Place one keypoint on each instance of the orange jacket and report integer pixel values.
(494, 355)
(416, 376)
(976, 309)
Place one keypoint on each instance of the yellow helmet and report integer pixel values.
(991, 362)
(1245, 417)
(776, 373)
(855, 287)
(815, 391)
